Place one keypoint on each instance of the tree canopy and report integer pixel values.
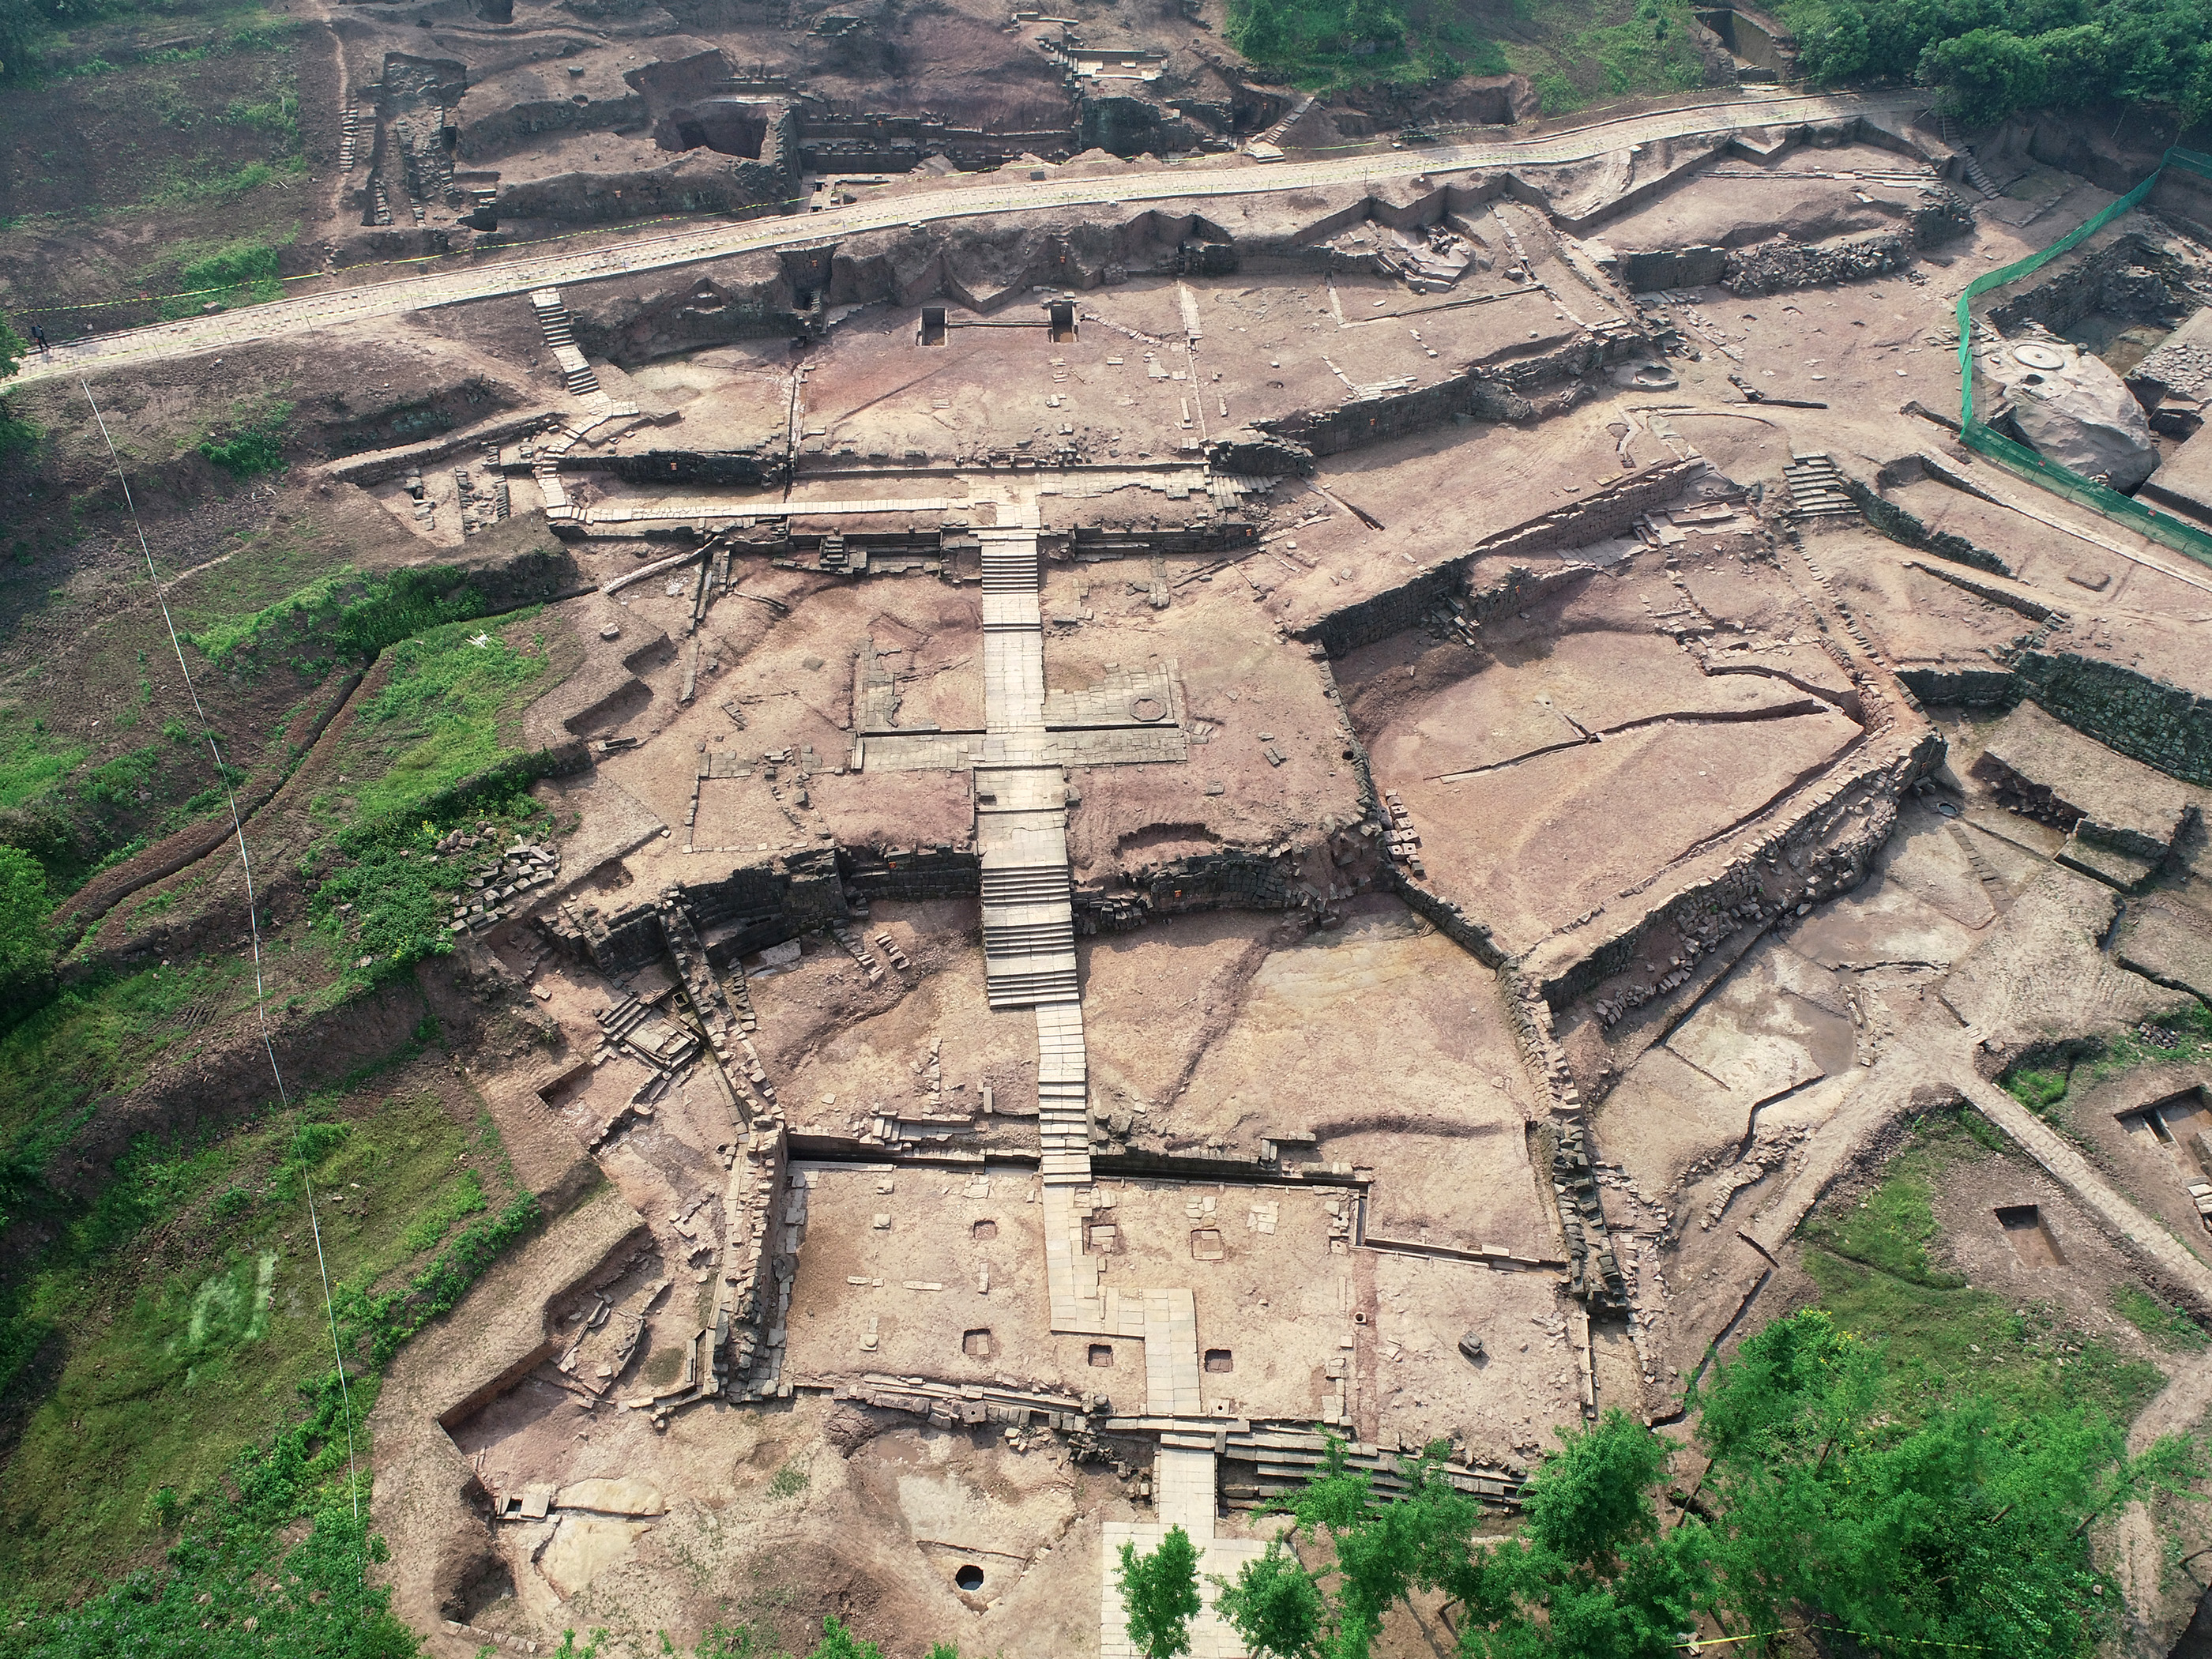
(1836, 1494)
(1991, 57)
(1160, 1593)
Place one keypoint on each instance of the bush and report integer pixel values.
(253, 448)
(1326, 43)
(1986, 74)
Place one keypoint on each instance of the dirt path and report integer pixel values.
(960, 200)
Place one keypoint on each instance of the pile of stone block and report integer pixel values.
(500, 887)
(1593, 1271)
(1401, 842)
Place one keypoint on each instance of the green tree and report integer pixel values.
(1919, 1515)
(1591, 1576)
(839, 1643)
(12, 348)
(1274, 1604)
(1986, 74)
(1160, 1593)
(1382, 1552)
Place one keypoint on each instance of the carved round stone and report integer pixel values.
(1147, 709)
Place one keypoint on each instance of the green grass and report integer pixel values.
(1880, 1266)
(2181, 1038)
(1578, 52)
(445, 715)
(31, 762)
(237, 29)
(230, 274)
(96, 1039)
(1323, 45)
(2170, 1327)
(384, 901)
(461, 1197)
(252, 446)
(188, 1308)
(190, 1422)
(2036, 1090)
(344, 613)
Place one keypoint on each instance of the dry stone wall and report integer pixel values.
(2147, 719)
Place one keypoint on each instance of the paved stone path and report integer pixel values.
(975, 197)
(1030, 962)
(2119, 1215)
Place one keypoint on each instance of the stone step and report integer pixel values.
(1025, 889)
(1027, 990)
(1007, 938)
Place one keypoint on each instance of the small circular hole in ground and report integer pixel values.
(969, 1576)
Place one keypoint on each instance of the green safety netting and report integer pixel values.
(2159, 526)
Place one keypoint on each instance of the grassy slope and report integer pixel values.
(1882, 1272)
(141, 131)
(177, 1322)
(1577, 52)
(97, 737)
(193, 1335)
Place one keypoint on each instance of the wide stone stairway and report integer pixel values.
(1029, 962)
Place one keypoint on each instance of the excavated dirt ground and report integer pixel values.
(1527, 761)
(1613, 739)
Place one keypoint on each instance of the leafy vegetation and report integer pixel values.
(385, 900)
(1574, 50)
(2036, 1090)
(379, 1325)
(343, 615)
(1610, 52)
(26, 944)
(13, 347)
(1159, 1594)
(1837, 1497)
(1879, 1278)
(29, 28)
(97, 1039)
(234, 274)
(445, 713)
(31, 762)
(1325, 44)
(2169, 1326)
(253, 445)
(1992, 58)
(2181, 1038)
(177, 1322)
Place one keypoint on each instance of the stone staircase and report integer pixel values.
(1063, 1095)
(1816, 489)
(1028, 933)
(1979, 179)
(349, 138)
(1273, 135)
(560, 339)
(1010, 567)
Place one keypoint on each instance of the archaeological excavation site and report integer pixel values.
(912, 831)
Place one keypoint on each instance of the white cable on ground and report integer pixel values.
(253, 928)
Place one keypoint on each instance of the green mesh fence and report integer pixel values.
(2159, 526)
